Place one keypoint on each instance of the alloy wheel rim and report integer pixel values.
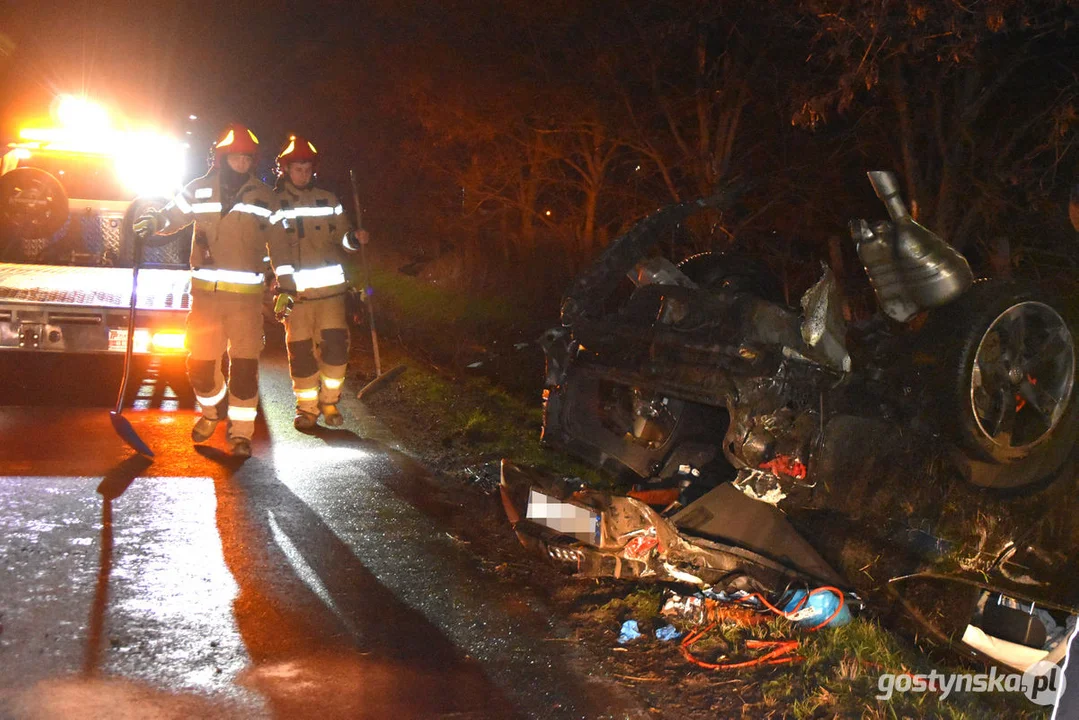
(1022, 377)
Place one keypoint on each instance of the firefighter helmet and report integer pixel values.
(297, 149)
(235, 139)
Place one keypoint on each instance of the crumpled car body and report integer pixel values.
(693, 375)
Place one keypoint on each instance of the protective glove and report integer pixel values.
(149, 224)
(282, 306)
(355, 239)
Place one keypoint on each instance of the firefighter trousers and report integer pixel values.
(316, 333)
(220, 322)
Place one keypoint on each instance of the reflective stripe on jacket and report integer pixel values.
(234, 237)
(308, 239)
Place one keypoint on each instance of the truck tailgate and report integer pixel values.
(54, 308)
(95, 287)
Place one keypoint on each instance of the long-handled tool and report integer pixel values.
(369, 301)
(121, 424)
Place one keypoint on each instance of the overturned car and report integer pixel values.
(927, 451)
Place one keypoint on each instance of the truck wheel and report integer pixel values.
(33, 203)
(1009, 383)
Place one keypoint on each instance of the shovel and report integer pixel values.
(380, 377)
(120, 424)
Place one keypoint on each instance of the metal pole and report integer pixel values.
(367, 293)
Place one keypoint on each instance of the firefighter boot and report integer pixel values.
(304, 420)
(203, 430)
(240, 447)
(332, 415)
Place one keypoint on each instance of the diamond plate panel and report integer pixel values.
(159, 289)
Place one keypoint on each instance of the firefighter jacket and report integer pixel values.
(229, 248)
(310, 235)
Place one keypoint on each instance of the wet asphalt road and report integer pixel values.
(306, 582)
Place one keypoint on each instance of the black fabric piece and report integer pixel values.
(301, 358)
(729, 516)
(201, 375)
(244, 378)
(334, 346)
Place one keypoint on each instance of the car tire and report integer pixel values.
(33, 204)
(1007, 387)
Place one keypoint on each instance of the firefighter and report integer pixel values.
(230, 209)
(310, 234)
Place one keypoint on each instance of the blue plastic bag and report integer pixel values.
(630, 631)
(820, 606)
(667, 633)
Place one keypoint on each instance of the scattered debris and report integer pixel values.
(722, 537)
(780, 653)
(760, 485)
(478, 363)
(667, 633)
(699, 609)
(486, 476)
(635, 678)
(630, 631)
(807, 609)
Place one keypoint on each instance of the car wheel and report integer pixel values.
(1009, 379)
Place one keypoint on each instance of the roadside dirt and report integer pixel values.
(462, 494)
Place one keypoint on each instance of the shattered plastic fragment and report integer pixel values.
(785, 465)
(683, 576)
(639, 547)
(760, 485)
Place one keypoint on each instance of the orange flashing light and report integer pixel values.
(167, 341)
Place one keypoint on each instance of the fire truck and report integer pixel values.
(70, 192)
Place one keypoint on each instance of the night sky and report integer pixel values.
(279, 67)
(438, 105)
